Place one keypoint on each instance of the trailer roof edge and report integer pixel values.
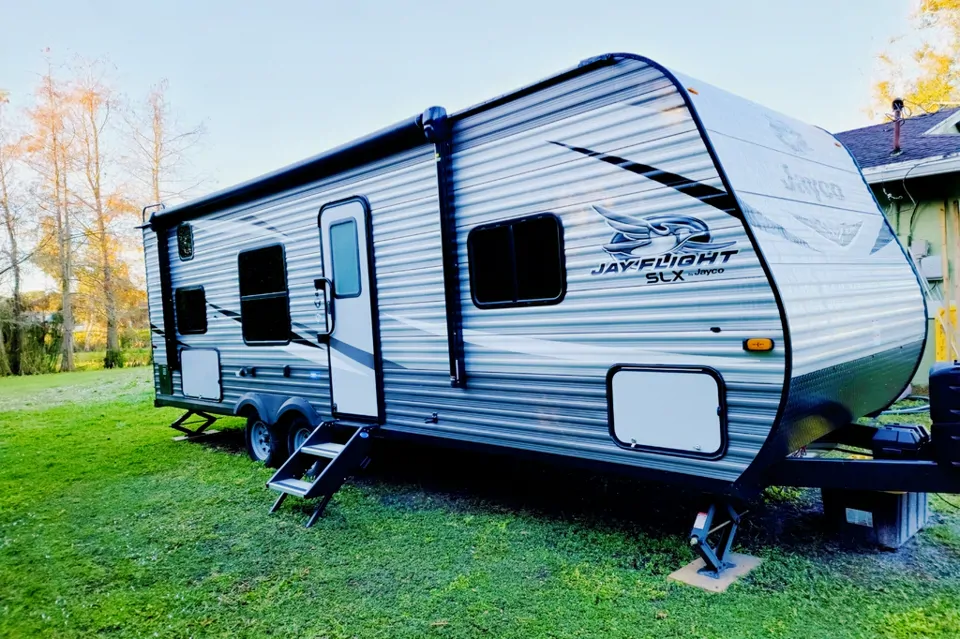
(402, 136)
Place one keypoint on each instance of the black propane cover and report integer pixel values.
(945, 411)
(945, 393)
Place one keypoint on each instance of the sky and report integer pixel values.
(275, 82)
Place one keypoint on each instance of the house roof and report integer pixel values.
(923, 139)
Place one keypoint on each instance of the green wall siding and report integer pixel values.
(922, 200)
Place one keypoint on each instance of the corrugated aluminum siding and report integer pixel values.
(848, 289)
(154, 303)
(402, 192)
(536, 375)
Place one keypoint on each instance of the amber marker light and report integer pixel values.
(758, 344)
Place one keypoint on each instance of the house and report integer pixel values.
(918, 188)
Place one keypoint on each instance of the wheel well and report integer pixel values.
(289, 415)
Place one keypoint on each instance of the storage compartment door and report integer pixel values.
(200, 373)
(672, 410)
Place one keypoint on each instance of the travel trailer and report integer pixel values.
(618, 265)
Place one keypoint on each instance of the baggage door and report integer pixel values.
(352, 329)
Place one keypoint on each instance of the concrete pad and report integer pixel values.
(689, 574)
(193, 438)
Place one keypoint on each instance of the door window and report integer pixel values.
(345, 258)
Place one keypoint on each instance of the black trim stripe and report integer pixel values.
(294, 338)
(703, 192)
(258, 222)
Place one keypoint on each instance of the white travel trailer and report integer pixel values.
(618, 265)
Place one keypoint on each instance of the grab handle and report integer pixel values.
(325, 284)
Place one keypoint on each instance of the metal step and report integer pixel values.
(329, 450)
(291, 486)
(341, 461)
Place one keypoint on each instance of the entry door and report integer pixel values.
(355, 379)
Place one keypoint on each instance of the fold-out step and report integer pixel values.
(291, 486)
(329, 450)
(328, 462)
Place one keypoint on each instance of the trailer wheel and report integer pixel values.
(265, 443)
(299, 430)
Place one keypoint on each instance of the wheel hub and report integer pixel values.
(261, 440)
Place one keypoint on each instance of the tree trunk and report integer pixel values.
(66, 262)
(16, 333)
(114, 358)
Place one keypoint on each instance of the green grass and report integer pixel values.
(109, 528)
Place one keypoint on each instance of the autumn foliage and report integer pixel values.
(923, 67)
(77, 163)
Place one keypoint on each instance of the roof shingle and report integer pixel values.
(873, 145)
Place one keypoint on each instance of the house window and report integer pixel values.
(517, 262)
(190, 303)
(345, 258)
(185, 242)
(264, 299)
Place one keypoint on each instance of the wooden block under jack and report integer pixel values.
(193, 438)
(689, 574)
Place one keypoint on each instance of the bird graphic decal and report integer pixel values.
(657, 234)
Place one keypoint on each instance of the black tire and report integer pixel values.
(265, 443)
(298, 431)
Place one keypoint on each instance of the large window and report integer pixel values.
(345, 258)
(191, 310)
(264, 299)
(517, 262)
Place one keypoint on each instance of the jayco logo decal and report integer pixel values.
(789, 136)
(818, 189)
(662, 247)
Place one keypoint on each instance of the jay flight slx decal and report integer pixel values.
(663, 248)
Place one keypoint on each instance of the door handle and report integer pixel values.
(326, 285)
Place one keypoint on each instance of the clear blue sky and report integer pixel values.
(278, 81)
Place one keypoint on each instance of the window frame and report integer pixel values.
(333, 262)
(176, 307)
(258, 296)
(518, 303)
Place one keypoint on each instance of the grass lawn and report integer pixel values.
(109, 528)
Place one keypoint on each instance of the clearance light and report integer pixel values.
(759, 344)
(693, 91)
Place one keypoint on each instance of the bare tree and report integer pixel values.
(11, 224)
(161, 147)
(92, 104)
(49, 147)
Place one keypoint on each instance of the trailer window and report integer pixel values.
(264, 298)
(185, 242)
(191, 310)
(517, 262)
(345, 258)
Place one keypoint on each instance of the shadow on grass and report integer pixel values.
(415, 476)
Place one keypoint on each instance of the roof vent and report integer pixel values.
(897, 122)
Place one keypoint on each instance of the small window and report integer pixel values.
(185, 242)
(517, 262)
(191, 310)
(264, 299)
(345, 258)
